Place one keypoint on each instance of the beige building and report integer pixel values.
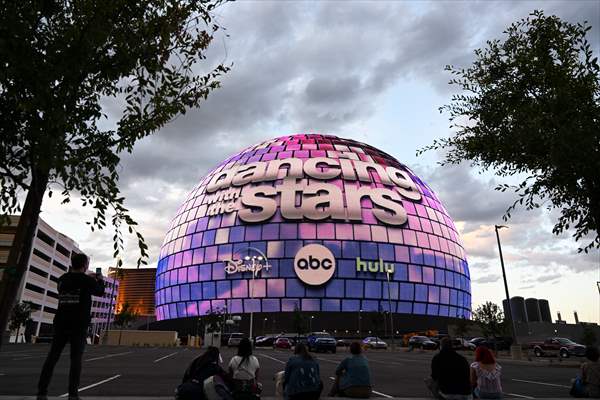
(50, 257)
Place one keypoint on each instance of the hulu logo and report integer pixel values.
(374, 266)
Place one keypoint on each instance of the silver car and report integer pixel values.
(373, 342)
(234, 339)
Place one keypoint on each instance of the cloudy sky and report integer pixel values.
(371, 71)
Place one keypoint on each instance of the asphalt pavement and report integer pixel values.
(155, 372)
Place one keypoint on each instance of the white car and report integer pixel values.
(373, 342)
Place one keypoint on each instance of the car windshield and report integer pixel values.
(565, 341)
(321, 335)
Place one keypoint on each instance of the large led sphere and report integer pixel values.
(313, 223)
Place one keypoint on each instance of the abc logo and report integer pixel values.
(314, 264)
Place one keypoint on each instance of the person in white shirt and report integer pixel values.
(244, 368)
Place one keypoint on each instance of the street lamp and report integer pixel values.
(387, 272)
(261, 257)
(359, 317)
(509, 308)
(310, 322)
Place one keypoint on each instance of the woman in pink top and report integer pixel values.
(485, 375)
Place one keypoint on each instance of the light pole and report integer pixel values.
(359, 317)
(387, 272)
(310, 322)
(261, 257)
(509, 308)
(264, 322)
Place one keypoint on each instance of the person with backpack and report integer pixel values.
(587, 384)
(75, 291)
(353, 377)
(204, 372)
(485, 375)
(302, 377)
(243, 369)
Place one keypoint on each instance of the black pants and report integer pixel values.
(59, 341)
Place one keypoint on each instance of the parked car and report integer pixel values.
(422, 342)
(234, 339)
(462, 344)
(497, 343)
(321, 341)
(373, 342)
(558, 346)
(283, 343)
(265, 341)
(437, 338)
(343, 343)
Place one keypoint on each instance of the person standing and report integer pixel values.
(302, 377)
(486, 375)
(450, 373)
(353, 377)
(75, 291)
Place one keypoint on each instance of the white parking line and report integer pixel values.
(270, 358)
(93, 385)
(372, 391)
(28, 357)
(542, 383)
(165, 357)
(108, 356)
(519, 395)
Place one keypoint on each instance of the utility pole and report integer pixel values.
(509, 308)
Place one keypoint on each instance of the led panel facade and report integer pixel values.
(375, 216)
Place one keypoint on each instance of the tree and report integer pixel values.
(124, 318)
(20, 315)
(490, 319)
(299, 321)
(588, 338)
(530, 106)
(461, 327)
(377, 319)
(214, 320)
(63, 62)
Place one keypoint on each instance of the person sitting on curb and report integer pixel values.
(244, 368)
(450, 374)
(485, 375)
(204, 367)
(302, 377)
(352, 375)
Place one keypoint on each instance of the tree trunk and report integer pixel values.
(18, 257)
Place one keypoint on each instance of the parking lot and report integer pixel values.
(134, 371)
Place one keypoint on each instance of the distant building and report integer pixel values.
(50, 257)
(102, 306)
(136, 287)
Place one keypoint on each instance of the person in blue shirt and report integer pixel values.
(353, 377)
(302, 377)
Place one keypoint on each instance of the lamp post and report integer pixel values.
(509, 308)
(310, 322)
(387, 273)
(254, 259)
(359, 317)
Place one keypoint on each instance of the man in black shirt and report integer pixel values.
(75, 291)
(450, 371)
